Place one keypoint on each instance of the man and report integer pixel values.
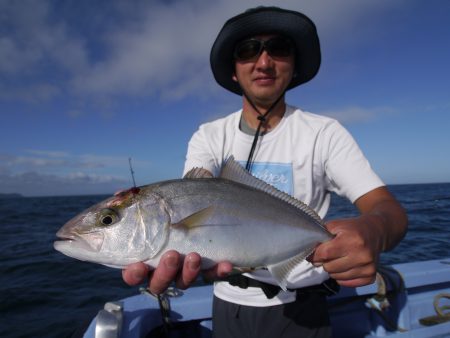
(260, 54)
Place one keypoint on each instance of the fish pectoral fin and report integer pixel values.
(280, 271)
(196, 219)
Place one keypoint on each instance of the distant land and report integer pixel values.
(10, 195)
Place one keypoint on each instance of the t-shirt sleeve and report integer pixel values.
(199, 153)
(348, 172)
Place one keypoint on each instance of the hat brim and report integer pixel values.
(267, 20)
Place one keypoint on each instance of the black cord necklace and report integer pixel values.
(262, 119)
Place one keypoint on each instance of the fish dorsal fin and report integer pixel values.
(233, 171)
(198, 173)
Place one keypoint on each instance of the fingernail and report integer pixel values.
(193, 264)
(138, 275)
(171, 262)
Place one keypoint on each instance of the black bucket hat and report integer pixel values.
(266, 20)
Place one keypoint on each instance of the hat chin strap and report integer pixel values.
(262, 118)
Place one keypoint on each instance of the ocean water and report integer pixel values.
(46, 294)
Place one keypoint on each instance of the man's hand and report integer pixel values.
(172, 267)
(351, 258)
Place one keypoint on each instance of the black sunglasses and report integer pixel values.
(251, 48)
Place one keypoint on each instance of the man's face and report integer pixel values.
(264, 78)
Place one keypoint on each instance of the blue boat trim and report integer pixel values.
(411, 289)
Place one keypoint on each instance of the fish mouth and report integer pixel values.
(86, 242)
(64, 237)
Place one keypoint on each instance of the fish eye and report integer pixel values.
(108, 217)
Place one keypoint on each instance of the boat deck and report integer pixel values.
(409, 291)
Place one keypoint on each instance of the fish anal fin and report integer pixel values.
(280, 271)
(196, 219)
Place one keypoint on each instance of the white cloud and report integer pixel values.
(32, 39)
(28, 161)
(357, 114)
(33, 183)
(138, 47)
(48, 153)
(49, 172)
(63, 161)
(29, 92)
(167, 50)
(81, 177)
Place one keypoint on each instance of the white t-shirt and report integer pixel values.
(307, 156)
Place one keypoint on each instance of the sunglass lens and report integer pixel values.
(247, 49)
(276, 47)
(279, 47)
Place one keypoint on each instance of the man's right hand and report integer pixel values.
(173, 267)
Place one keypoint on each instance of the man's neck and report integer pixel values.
(272, 119)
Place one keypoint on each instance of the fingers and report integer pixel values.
(350, 271)
(135, 273)
(220, 270)
(190, 271)
(356, 282)
(348, 258)
(165, 272)
(173, 267)
(347, 268)
(351, 275)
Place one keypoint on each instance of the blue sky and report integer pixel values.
(84, 85)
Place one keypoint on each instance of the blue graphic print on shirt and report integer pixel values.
(277, 174)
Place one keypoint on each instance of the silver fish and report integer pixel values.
(235, 217)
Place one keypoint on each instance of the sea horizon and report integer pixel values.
(21, 195)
